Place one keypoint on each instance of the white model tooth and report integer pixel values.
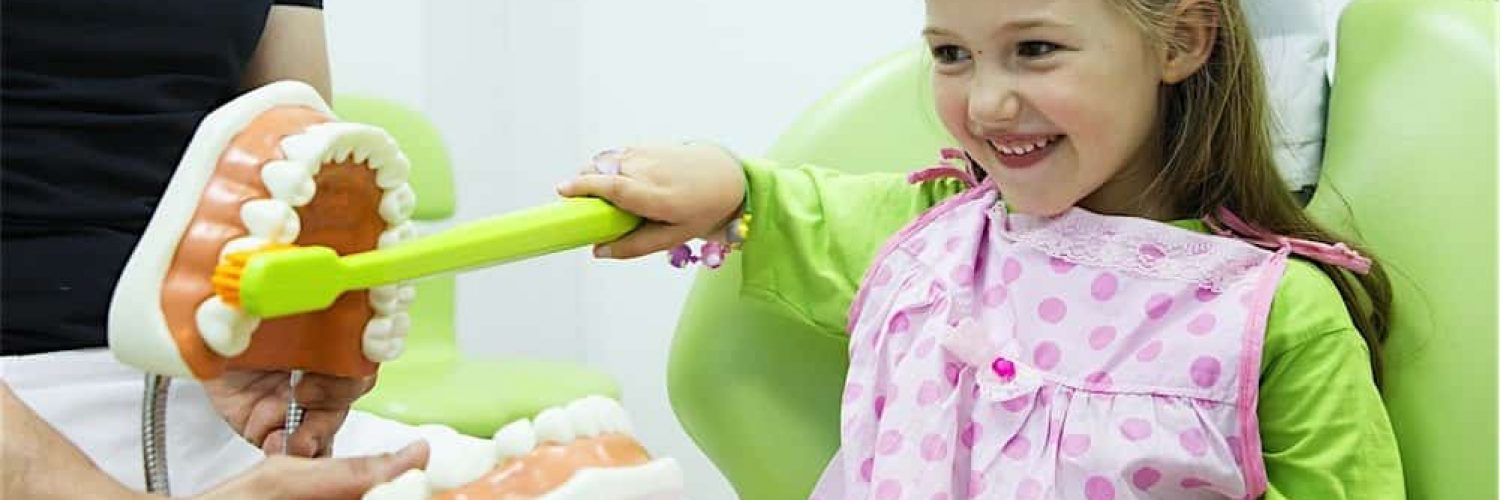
(397, 297)
(380, 350)
(289, 181)
(464, 462)
(407, 297)
(1028, 148)
(384, 298)
(410, 485)
(345, 153)
(397, 204)
(271, 219)
(242, 244)
(617, 417)
(378, 342)
(400, 325)
(608, 412)
(310, 146)
(388, 301)
(597, 408)
(392, 172)
(361, 154)
(586, 422)
(515, 439)
(605, 412)
(405, 231)
(554, 426)
(393, 349)
(226, 330)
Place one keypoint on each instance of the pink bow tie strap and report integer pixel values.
(1336, 254)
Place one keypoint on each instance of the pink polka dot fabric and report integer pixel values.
(1082, 356)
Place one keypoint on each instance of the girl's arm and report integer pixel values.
(1325, 433)
(814, 232)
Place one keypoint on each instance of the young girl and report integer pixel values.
(1114, 298)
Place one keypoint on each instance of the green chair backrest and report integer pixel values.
(1411, 138)
(1411, 157)
(432, 334)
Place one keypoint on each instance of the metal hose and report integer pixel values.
(154, 434)
(293, 412)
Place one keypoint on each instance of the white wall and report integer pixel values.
(525, 91)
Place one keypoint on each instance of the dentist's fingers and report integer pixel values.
(291, 478)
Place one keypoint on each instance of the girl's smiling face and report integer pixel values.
(1056, 99)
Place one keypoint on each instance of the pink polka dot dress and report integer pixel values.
(1082, 356)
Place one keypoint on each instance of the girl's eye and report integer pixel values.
(950, 54)
(1034, 49)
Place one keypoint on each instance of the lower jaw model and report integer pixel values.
(583, 450)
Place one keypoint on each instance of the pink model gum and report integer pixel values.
(343, 215)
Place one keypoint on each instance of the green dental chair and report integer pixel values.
(1410, 167)
(433, 382)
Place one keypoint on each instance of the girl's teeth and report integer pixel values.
(1023, 148)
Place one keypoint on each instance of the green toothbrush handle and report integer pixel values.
(310, 278)
(564, 225)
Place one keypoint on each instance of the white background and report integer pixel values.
(525, 91)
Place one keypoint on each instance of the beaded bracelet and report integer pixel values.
(713, 253)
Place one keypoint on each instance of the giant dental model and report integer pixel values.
(581, 451)
(271, 168)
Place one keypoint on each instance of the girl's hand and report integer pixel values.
(683, 191)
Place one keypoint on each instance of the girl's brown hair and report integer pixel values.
(1217, 141)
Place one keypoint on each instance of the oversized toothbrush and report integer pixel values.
(241, 265)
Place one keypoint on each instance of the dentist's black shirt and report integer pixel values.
(99, 100)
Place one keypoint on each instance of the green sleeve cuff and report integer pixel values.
(814, 231)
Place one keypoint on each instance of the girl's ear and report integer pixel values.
(1195, 27)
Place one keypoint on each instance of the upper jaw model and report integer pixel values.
(271, 168)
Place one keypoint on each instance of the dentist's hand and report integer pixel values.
(683, 191)
(289, 478)
(254, 404)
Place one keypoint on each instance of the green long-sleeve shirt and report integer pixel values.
(1324, 432)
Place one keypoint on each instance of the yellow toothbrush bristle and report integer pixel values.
(226, 278)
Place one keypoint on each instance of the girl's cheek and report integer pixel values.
(953, 110)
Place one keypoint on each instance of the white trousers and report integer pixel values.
(95, 402)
